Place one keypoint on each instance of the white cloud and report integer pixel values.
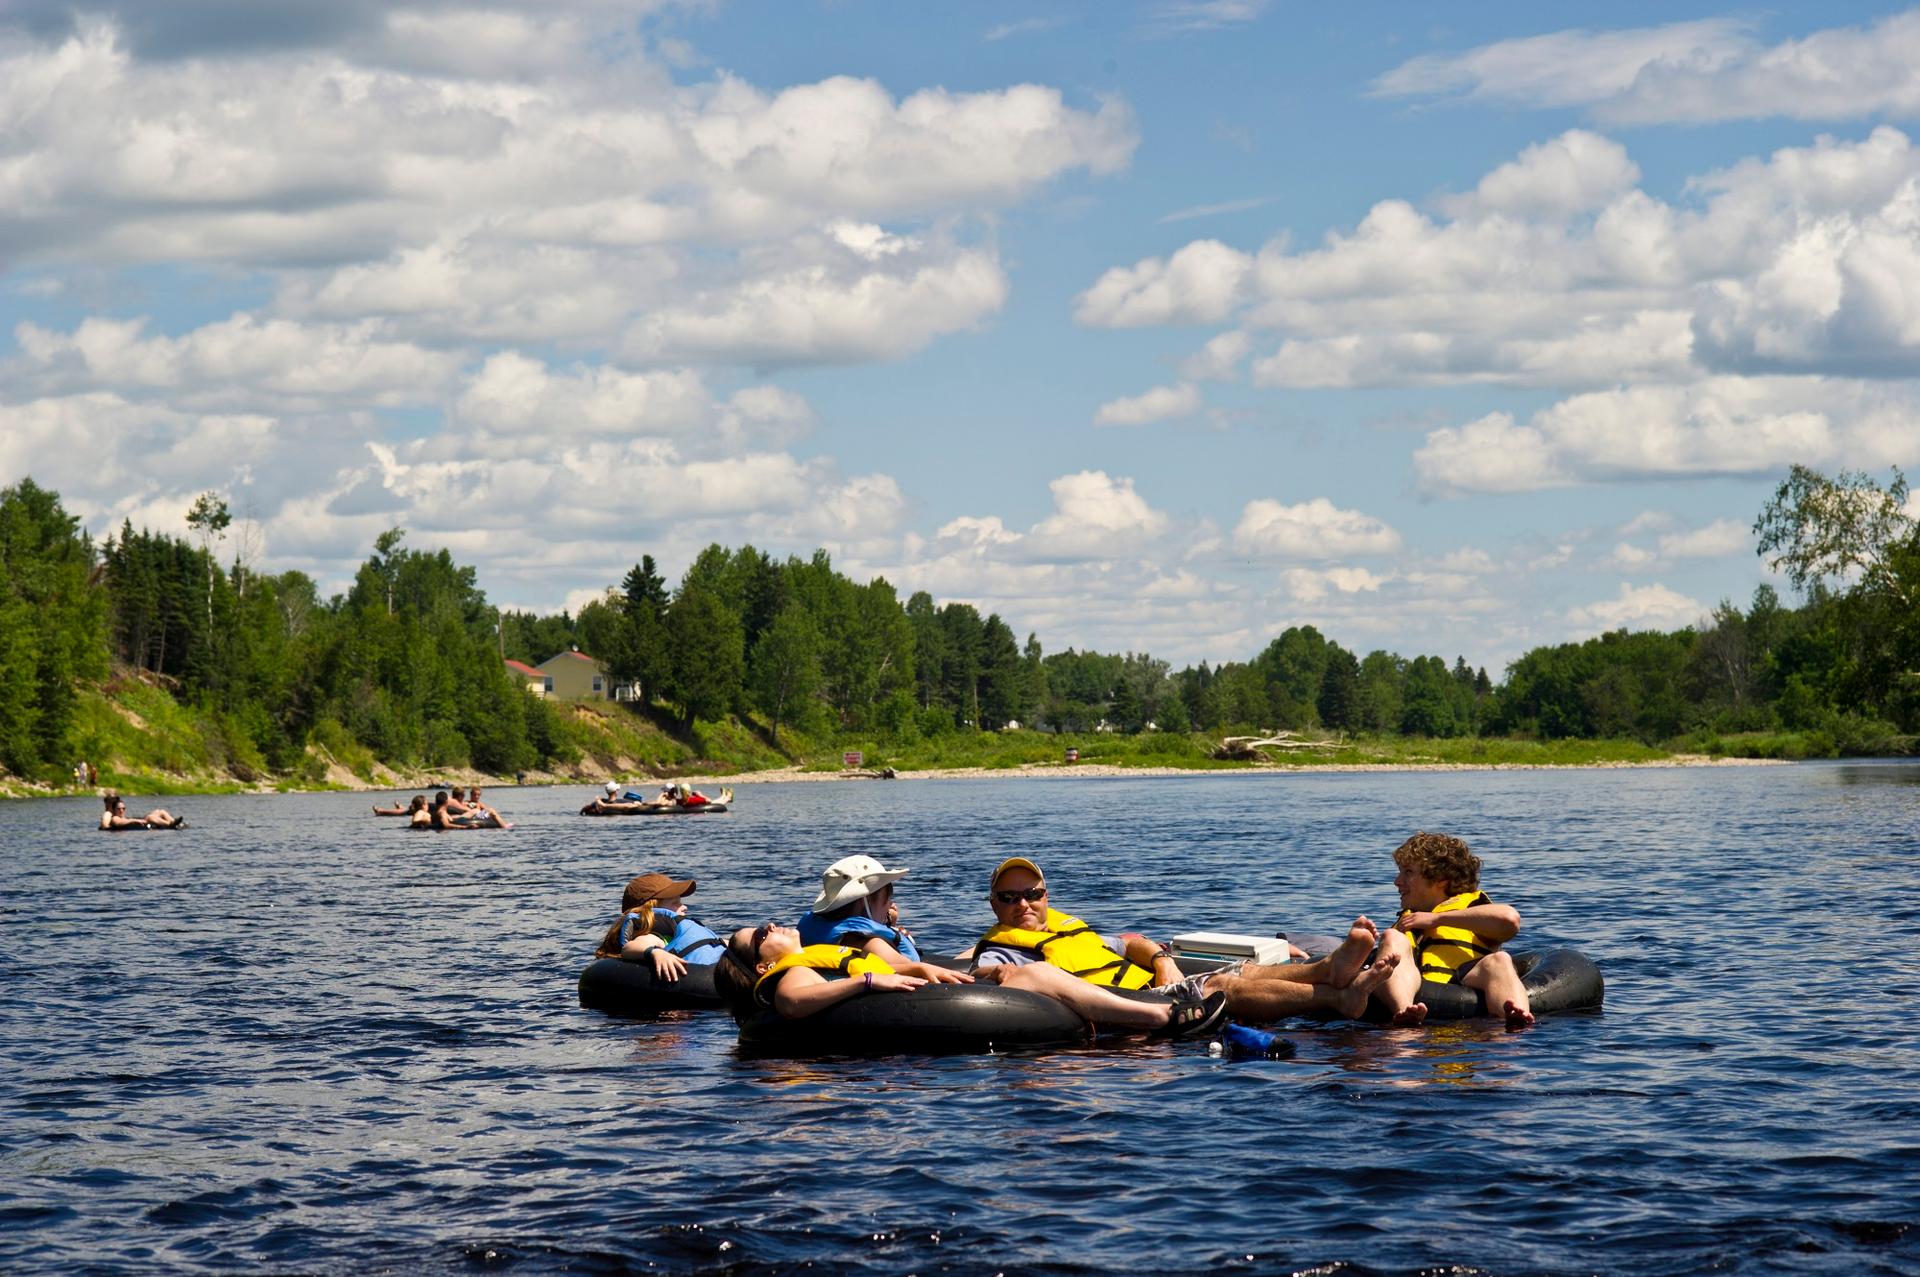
(1555, 271)
(1214, 210)
(1096, 516)
(1567, 68)
(1642, 607)
(526, 187)
(1689, 72)
(1306, 585)
(1162, 403)
(1719, 539)
(513, 394)
(1219, 359)
(1026, 26)
(1492, 454)
(1197, 285)
(1467, 561)
(1722, 426)
(819, 314)
(1576, 172)
(1204, 15)
(243, 361)
(1631, 558)
(1315, 529)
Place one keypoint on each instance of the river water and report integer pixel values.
(295, 1038)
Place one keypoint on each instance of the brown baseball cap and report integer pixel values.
(656, 887)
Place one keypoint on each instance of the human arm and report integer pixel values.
(875, 947)
(1498, 923)
(803, 991)
(1157, 958)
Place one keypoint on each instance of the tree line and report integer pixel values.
(407, 663)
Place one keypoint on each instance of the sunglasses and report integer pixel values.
(758, 938)
(1034, 894)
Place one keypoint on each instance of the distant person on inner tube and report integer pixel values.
(769, 966)
(653, 928)
(1449, 931)
(615, 803)
(439, 817)
(687, 796)
(1028, 933)
(115, 817)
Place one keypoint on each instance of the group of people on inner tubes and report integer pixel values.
(850, 944)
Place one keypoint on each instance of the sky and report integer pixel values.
(1155, 326)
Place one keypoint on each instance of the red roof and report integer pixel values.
(523, 669)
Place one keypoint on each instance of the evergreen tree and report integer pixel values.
(785, 667)
(705, 661)
(53, 631)
(1339, 689)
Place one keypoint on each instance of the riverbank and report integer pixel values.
(396, 783)
(1056, 771)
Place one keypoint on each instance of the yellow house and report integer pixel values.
(575, 676)
(531, 678)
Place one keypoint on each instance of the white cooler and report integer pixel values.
(1221, 946)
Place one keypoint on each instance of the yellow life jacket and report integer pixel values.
(1444, 950)
(1075, 948)
(834, 961)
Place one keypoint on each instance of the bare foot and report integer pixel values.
(1410, 1018)
(1518, 1017)
(1352, 1002)
(1343, 964)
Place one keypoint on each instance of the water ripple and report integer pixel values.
(314, 1043)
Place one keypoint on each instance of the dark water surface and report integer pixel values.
(295, 1038)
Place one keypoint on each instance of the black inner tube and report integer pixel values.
(935, 1019)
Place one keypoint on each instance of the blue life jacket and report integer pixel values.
(854, 931)
(700, 945)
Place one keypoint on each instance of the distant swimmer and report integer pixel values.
(419, 803)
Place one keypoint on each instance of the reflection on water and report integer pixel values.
(293, 1039)
(1890, 771)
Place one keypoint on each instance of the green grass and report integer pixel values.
(143, 741)
(1002, 750)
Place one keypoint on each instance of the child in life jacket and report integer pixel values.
(1449, 931)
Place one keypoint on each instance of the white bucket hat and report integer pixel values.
(853, 878)
(613, 787)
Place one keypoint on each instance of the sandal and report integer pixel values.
(1194, 1019)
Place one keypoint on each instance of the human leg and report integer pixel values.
(1400, 994)
(1102, 1006)
(1337, 969)
(1262, 1001)
(1498, 982)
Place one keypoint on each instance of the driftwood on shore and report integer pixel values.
(1253, 749)
(870, 773)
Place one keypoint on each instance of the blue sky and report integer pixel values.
(1156, 326)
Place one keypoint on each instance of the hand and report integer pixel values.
(668, 966)
(1418, 921)
(893, 982)
(940, 975)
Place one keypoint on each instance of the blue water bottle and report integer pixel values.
(1244, 1043)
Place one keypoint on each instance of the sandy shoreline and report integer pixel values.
(788, 775)
(344, 781)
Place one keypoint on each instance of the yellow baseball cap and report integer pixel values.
(1015, 862)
